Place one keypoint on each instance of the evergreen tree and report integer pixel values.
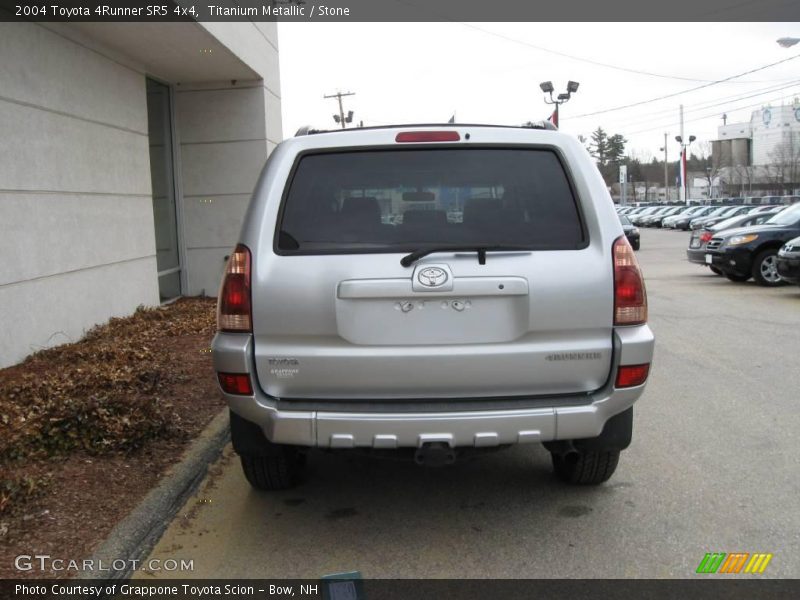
(599, 146)
(615, 148)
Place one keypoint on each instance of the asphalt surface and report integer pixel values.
(714, 467)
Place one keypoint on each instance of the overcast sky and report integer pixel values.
(490, 73)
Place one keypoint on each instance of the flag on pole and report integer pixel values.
(554, 118)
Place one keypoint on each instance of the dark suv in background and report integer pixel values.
(696, 252)
(747, 252)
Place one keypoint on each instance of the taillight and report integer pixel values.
(233, 305)
(630, 297)
(235, 383)
(631, 375)
(427, 136)
(706, 236)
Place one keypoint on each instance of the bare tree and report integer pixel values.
(712, 175)
(703, 149)
(784, 169)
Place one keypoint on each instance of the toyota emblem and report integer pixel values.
(432, 276)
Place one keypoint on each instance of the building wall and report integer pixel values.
(76, 219)
(225, 131)
(740, 153)
(223, 146)
(77, 243)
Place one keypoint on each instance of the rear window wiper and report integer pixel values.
(410, 259)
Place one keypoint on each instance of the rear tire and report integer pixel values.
(715, 271)
(269, 473)
(765, 271)
(635, 245)
(266, 465)
(737, 278)
(586, 468)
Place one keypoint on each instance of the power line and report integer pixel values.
(591, 61)
(721, 101)
(709, 116)
(694, 89)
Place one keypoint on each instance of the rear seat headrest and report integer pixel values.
(363, 209)
(424, 217)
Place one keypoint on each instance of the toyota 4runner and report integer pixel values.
(431, 290)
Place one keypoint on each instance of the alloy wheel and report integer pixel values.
(769, 269)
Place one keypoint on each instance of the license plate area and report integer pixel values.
(709, 259)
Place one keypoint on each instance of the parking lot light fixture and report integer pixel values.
(547, 88)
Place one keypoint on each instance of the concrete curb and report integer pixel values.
(137, 534)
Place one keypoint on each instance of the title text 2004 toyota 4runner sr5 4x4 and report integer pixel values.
(431, 290)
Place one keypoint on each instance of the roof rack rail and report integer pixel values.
(543, 124)
(308, 130)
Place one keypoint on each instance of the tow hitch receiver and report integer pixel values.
(435, 454)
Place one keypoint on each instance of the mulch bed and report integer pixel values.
(87, 429)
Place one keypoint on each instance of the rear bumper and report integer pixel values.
(536, 420)
(697, 255)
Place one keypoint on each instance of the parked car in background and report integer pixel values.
(686, 212)
(683, 221)
(696, 252)
(637, 218)
(788, 261)
(746, 252)
(645, 219)
(657, 219)
(631, 231)
(732, 211)
(759, 209)
(717, 211)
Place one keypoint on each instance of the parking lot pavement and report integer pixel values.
(714, 467)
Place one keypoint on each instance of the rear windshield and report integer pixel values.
(403, 200)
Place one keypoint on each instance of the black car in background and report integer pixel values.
(683, 222)
(733, 211)
(696, 252)
(788, 261)
(631, 231)
(747, 252)
(658, 219)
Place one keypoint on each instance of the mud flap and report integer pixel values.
(616, 435)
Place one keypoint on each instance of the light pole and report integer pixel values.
(666, 176)
(787, 42)
(547, 88)
(684, 147)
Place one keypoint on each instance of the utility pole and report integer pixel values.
(340, 118)
(666, 172)
(683, 162)
(682, 165)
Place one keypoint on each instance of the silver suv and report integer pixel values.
(431, 290)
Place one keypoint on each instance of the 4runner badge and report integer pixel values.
(432, 276)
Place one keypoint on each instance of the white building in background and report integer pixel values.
(128, 152)
(774, 129)
(762, 155)
(756, 142)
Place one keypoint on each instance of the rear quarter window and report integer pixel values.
(405, 199)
